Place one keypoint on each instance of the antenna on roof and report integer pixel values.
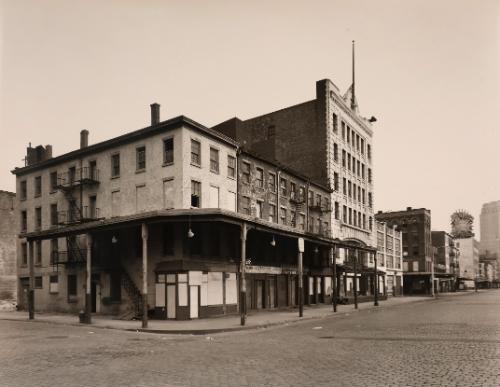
(353, 94)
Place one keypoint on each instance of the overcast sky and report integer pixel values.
(428, 70)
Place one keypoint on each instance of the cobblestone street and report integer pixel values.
(452, 341)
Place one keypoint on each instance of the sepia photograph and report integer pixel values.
(249, 193)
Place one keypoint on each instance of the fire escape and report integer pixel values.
(72, 183)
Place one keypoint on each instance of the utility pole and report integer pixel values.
(375, 283)
(300, 276)
(355, 280)
(243, 286)
(334, 277)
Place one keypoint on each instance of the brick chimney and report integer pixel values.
(84, 138)
(155, 113)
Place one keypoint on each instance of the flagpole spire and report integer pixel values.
(353, 94)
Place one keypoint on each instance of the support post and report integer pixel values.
(432, 277)
(243, 285)
(300, 274)
(144, 232)
(88, 279)
(31, 289)
(375, 281)
(334, 277)
(355, 279)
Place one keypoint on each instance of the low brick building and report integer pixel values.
(8, 238)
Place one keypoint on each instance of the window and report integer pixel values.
(245, 172)
(362, 171)
(283, 190)
(364, 221)
(343, 129)
(370, 223)
(343, 157)
(38, 186)
(24, 220)
(168, 151)
(348, 135)
(214, 160)
(283, 215)
(71, 175)
(195, 194)
(310, 198)
(335, 152)
(344, 186)
(335, 123)
(259, 177)
(369, 151)
(271, 131)
(53, 214)
(53, 181)
(354, 191)
(72, 287)
(24, 254)
(258, 209)
(349, 162)
(195, 152)
(272, 213)
(415, 266)
(38, 256)
(23, 190)
(344, 214)
(359, 168)
(359, 193)
(354, 220)
(318, 200)
(140, 158)
(349, 186)
(370, 199)
(357, 142)
(369, 175)
(39, 282)
(54, 284)
(115, 165)
(293, 218)
(302, 222)
(359, 219)
(38, 218)
(231, 166)
(302, 194)
(350, 215)
(271, 182)
(245, 205)
(363, 194)
(54, 248)
(362, 146)
(293, 190)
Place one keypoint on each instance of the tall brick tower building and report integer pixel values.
(327, 140)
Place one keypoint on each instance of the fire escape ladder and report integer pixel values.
(133, 292)
(75, 253)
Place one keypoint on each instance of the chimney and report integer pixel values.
(408, 208)
(48, 151)
(155, 113)
(84, 138)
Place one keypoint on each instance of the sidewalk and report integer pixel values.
(255, 320)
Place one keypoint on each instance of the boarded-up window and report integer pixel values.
(182, 289)
(54, 284)
(231, 289)
(168, 193)
(214, 197)
(231, 201)
(215, 289)
(140, 198)
(115, 203)
(327, 285)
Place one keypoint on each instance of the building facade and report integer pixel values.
(8, 236)
(390, 257)
(468, 261)
(415, 226)
(446, 261)
(489, 223)
(172, 221)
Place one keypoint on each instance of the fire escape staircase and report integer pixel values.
(135, 295)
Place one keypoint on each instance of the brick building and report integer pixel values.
(8, 236)
(489, 223)
(415, 226)
(327, 140)
(165, 221)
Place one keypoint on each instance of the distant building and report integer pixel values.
(8, 239)
(446, 263)
(415, 225)
(468, 261)
(489, 223)
(488, 270)
(390, 257)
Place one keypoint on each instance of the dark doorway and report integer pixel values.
(93, 296)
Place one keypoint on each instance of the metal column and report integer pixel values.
(144, 232)
(243, 285)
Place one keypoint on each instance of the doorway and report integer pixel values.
(259, 294)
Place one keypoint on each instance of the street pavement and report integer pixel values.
(451, 341)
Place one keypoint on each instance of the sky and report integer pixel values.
(429, 71)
